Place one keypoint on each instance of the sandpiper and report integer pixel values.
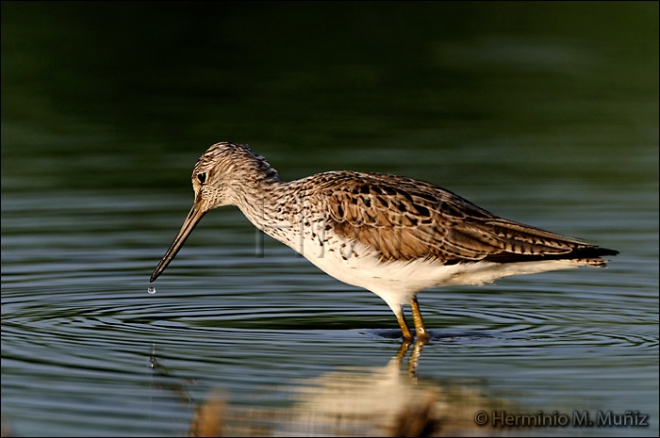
(392, 235)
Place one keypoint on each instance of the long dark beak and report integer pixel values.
(195, 215)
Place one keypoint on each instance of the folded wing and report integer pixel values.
(406, 219)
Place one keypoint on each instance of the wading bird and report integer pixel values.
(392, 235)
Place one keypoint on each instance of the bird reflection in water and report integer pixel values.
(350, 401)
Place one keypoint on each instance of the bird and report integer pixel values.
(392, 235)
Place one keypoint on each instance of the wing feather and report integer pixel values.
(406, 219)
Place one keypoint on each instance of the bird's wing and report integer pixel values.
(406, 219)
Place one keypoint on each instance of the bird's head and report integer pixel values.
(220, 177)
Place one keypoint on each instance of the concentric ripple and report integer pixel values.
(86, 347)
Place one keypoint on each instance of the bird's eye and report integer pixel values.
(201, 177)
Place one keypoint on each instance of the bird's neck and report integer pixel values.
(260, 195)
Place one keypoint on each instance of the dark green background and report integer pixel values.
(119, 95)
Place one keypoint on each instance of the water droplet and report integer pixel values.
(151, 290)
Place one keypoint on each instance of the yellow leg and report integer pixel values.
(421, 332)
(403, 350)
(414, 357)
(405, 331)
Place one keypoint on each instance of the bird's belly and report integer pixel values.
(397, 281)
(354, 263)
(359, 265)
